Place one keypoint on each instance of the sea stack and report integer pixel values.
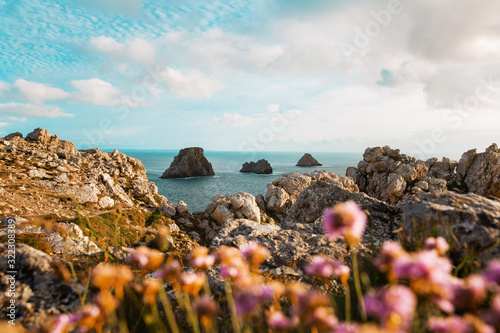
(190, 162)
(308, 161)
(262, 167)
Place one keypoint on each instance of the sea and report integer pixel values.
(197, 192)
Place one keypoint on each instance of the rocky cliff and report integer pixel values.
(190, 162)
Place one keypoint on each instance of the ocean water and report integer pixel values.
(197, 192)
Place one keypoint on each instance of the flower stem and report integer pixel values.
(168, 311)
(232, 307)
(347, 292)
(357, 284)
(190, 313)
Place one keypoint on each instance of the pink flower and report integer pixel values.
(439, 244)
(278, 322)
(254, 253)
(347, 328)
(391, 250)
(492, 272)
(453, 324)
(170, 272)
(492, 316)
(345, 219)
(394, 306)
(423, 265)
(248, 300)
(322, 267)
(200, 258)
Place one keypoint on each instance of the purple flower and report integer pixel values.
(427, 265)
(280, 323)
(345, 219)
(492, 316)
(321, 266)
(248, 300)
(347, 328)
(439, 244)
(390, 251)
(492, 272)
(254, 253)
(170, 272)
(453, 324)
(394, 306)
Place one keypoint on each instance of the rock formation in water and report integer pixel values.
(308, 161)
(262, 167)
(190, 162)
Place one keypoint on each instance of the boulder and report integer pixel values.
(308, 161)
(13, 135)
(39, 135)
(241, 205)
(190, 162)
(40, 293)
(313, 201)
(182, 208)
(262, 167)
(481, 172)
(106, 202)
(281, 194)
(471, 223)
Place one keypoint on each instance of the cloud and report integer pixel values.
(4, 86)
(273, 108)
(136, 50)
(37, 93)
(32, 110)
(235, 119)
(2, 124)
(95, 91)
(191, 84)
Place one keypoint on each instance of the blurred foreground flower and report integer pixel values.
(170, 272)
(394, 306)
(345, 219)
(146, 258)
(278, 322)
(439, 244)
(206, 308)
(254, 253)
(200, 258)
(323, 267)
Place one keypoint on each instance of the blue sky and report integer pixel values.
(422, 76)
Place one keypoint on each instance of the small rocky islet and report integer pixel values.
(66, 201)
(308, 161)
(261, 167)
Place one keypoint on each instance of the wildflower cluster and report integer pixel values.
(417, 281)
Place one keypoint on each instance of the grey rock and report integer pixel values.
(261, 167)
(471, 220)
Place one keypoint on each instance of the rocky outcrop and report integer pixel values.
(290, 250)
(40, 293)
(190, 162)
(262, 167)
(308, 161)
(388, 175)
(282, 193)
(471, 223)
(313, 201)
(480, 172)
(44, 175)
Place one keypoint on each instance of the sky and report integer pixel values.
(258, 75)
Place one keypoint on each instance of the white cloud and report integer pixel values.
(2, 124)
(191, 84)
(38, 93)
(4, 86)
(236, 119)
(136, 50)
(273, 108)
(96, 91)
(32, 110)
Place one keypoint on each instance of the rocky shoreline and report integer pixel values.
(75, 203)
